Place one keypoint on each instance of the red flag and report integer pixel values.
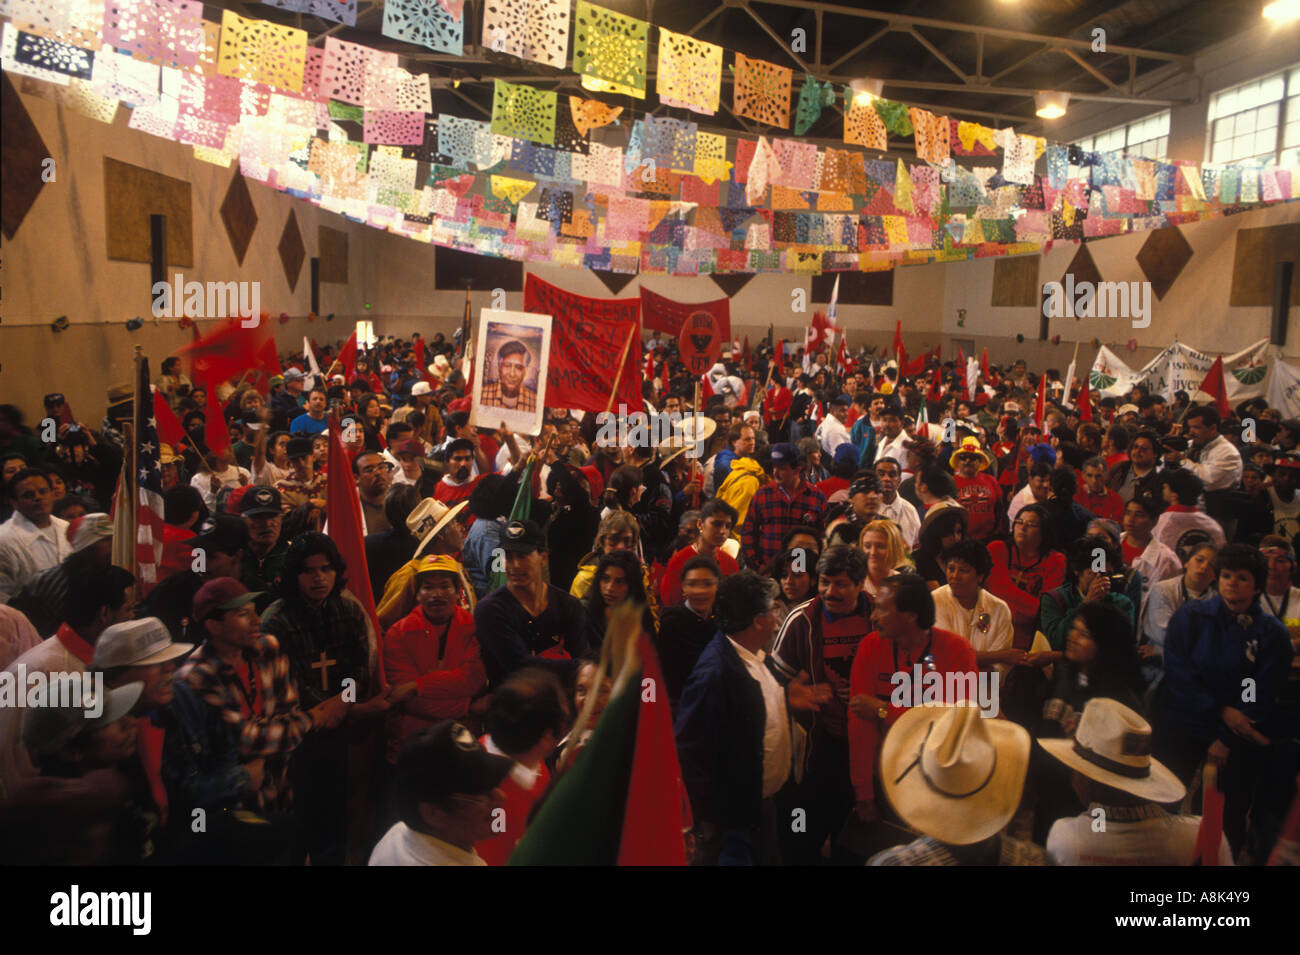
(818, 333)
(348, 356)
(706, 388)
(1040, 402)
(222, 355)
(419, 358)
(169, 427)
(649, 370)
(268, 359)
(936, 386)
(215, 434)
(1216, 387)
(343, 518)
(1210, 834)
(652, 822)
(984, 365)
(899, 351)
(1084, 401)
(842, 358)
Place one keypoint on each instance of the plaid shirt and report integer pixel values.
(325, 644)
(491, 395)
(928, 851)
(270, 724)
(772, 513)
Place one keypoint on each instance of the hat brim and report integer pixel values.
(952, 820)
(232, 604)
(260, 512)
(437, 528)
(173, 651)
(117, 703)
(984, 459)
(487, 773)
(1162, 786)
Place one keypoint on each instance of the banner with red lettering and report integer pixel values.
(589, 336)
(659, 314)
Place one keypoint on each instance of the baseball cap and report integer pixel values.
(260, 501)
(221, 532)
(137, 643)
(89, 529)
(847, 453)
(222, 593)
(54, 399)
(411, 446)
(446, 759)
(299, 445)
(784, 453)
(522, 537)
(46, 728)
(293, 374)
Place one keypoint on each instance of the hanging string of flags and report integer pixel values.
(564, 180)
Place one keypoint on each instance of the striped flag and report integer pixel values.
(147, 481)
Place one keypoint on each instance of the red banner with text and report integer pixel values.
(660, 314)
(589, 336)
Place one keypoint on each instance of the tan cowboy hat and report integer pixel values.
(1112, 745)
(970, 446)
(429, 517)
(952, 774)
(687, 428)
(669, 448)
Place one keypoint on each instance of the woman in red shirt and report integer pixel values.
(1024, 570)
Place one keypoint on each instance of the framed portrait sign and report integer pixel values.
(511, 362)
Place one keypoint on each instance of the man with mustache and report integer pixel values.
(509, 390)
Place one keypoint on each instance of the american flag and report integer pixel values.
(139, 516)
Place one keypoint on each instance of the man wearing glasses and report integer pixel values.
(509, 390)
(374, 475)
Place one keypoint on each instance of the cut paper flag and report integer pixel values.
(931, 136)
(862, 124)
(689, 73)
(426, 23)
(903, 191)
(589, 114)
(762, 91)
(762, 169)
(813, 98)
(522, 112)
(511, 190)
(258, 51)
(894, 116)
(536, 30)
(338, 11)
(609, 50)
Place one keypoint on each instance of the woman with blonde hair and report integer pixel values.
(882, 542)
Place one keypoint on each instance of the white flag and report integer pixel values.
(310, 357)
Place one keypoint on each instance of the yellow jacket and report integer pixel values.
(738, 489)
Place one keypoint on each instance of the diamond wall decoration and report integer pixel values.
(20, 160)
(292, 251)
(1082, 267)
(1163, 257)
(239, 216)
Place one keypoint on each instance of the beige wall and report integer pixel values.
(57, 265)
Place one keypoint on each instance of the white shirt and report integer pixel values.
(1165, 597)
(1286, 514)
(1284, 608)
(831, 433)
(402, 845)
(1156, 563)
(232, 476)
(48, 656)
(26, 550)
(887, 447)
(1220, 465)
(1174, 524)
(1146, 835)
(950, 615)
(777, 753)
(903, 513)
(1019, 500)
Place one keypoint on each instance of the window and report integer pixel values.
(1147, 137)
(1257, 121)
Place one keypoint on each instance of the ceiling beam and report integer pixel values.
(905, 21)
(860, 47)
(934, 51)
(777, 38)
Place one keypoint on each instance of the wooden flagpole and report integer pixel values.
(695, 433)
(627, 346)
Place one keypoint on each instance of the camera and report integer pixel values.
(1117, 583)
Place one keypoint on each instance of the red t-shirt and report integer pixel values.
(517, 804)
(1108, 505)
(980, 496)
(670, 585)
(1131, 553)
(832, 484)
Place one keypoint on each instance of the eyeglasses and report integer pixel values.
(1028, 525)
(376, 468)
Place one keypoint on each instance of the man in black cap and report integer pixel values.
(264, 558)
(528, 622)
(217, 551)
(446, 796)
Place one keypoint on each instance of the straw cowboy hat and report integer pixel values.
(953, 774)
(429, 517)
(970, 446)
(1112, 745)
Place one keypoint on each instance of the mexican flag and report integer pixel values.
(622, 802)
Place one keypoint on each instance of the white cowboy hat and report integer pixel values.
(686, 427)
(428, 518)
(1112, 745)
(952, 774)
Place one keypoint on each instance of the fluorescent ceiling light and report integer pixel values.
(1282, 10)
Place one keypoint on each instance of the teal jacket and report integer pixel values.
(1056, 607)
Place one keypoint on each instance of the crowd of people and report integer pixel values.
(901, 619)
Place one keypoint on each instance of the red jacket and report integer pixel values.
(446, 685)
(873, 671)
(516, 806)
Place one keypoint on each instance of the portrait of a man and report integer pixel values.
(509, 391)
